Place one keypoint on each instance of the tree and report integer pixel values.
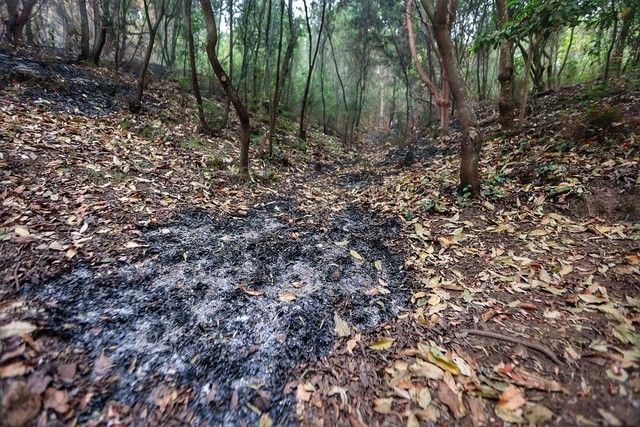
(188, 30)
(302, 132)
(505, 76)
(136, 104)
(84, 31)
(621, 39)
(18, 19)
(440, 97)
(471, 139)
(282, 69)
(218, 69)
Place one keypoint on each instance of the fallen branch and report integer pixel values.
(515, 340)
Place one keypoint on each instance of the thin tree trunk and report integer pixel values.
(312, 63)
(566, 57)
(525, 86)
(505, 76)
(471, 139)
(84, 31)
(243, 115)
(441, 97)
(621, 42)
(614, 35)
(136, 104)
(345, 136)
(186, 11)
(281, 74)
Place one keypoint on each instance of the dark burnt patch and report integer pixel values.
(233, 303)
(56, 84)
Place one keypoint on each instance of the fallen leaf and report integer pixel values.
(21, 231)
(265, 421)
(13, 370)
(103, 365)
(537, 415)
(19, 405)
(610, 419)
(57, 400)
(250, 292)
(383, 406)
(382, 344)
(356, 255)
(452, 400)
(378, 265)
(287, 297)
(341, 327)
(16, 328)
(509, 404)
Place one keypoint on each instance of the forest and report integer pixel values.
(319, 212)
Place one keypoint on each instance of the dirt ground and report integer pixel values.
(144, 285)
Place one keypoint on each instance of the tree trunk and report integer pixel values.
(17, 19)
(441, 97)
(136, 104)
(628, 13)
(505, 76)
(186, 11)
(312, 63)
(525, 89)
(84, 31)
(243, 115)
(281, 74)
(471, 138)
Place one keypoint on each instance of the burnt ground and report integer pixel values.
(54, 82)
(231, 304)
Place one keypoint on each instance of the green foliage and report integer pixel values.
(192, 143)
(494, 186)
(563, 146)
(603, 117)
(216, 163)
(433, 204)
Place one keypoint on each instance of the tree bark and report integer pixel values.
(505, 76)
(17, 19)
(84, 31)
(471, 139)
(243, 115)
(186, 11)
(302, 133)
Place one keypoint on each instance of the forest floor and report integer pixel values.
(143, 284)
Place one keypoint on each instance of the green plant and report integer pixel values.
(216, 163)
(494, 186)
(603, 117)
(192, 143)
(433, 204)
(563, 146)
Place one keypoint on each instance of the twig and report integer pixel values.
(515, 340)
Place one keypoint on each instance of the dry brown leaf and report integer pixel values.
(57, 400)
(16, 328)
(383, 406)
(452, 400)
(19, 405)
(102, 365)
(13, 370)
